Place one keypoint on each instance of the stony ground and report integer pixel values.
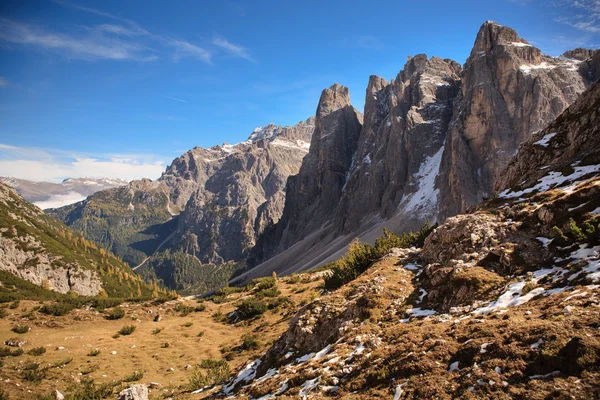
(497, 304)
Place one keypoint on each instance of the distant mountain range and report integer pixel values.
(52, 195)
(431, 144)
(194, 226)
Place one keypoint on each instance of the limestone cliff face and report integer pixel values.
(568, 148)
(223, 218)
(509, 90)
(433, 143)
(210, 203)
(314, 193)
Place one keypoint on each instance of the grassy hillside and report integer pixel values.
(131, 225)
(34, 241)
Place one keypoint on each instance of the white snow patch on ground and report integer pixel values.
(245, 375)
(553, 373)
(426, 198)
(271, 372)
(552, 180)
(536, 345)
(367, 159)
(418, 312)
(579, 206)
(320, 354)
(411, 267)
(399, 391)
(529, 68)
(545, 140)
(309, 386)
(453, 367)
(519, 44)
(511, 298)
(545, 241)
(305, 358)
(596, 211)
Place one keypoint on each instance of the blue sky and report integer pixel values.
(120, 88)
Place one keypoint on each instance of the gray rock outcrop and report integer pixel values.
(433, 143)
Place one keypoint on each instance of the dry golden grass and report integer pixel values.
(83, 331)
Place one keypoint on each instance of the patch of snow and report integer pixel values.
(399, 391)
(596, 211)
(579, 206)
(551, 374)
(545, 140)
(367, 159)
(412, 267)
(417, 312)
(270, 373)
(267, 397)
(333, 360)
(511, 298)
(298, 145)
(422, 295)
(519, 44)
(536, 345)
(245, 375)
(284, 386)
(574, 295)
(483, 348)
(426, 198)
(454, 367)
(308, 386)
(552, 180)
(305, 358)
(529, 68)
(545, 241)
(320, 354)
(358, 350)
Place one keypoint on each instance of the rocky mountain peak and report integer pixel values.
(492, 34)
(432, 145)
(376, 83)
(579, 53)
(333, 99)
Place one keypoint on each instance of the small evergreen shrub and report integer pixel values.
(37, 351)
(360, 256)
(250, 343)
(250, 308)
(217, 371)
(93, 353)
(127, 330)
(115, 313)
(20, 329)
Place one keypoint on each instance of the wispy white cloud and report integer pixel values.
(55, 165)
(180, 48)
(186, 49)
(122, 30)
(134, 27)
(231, 48)
(3, 82)
(586, 15)
(89, 48)
(176, 99)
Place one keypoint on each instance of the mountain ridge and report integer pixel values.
(451, 128)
